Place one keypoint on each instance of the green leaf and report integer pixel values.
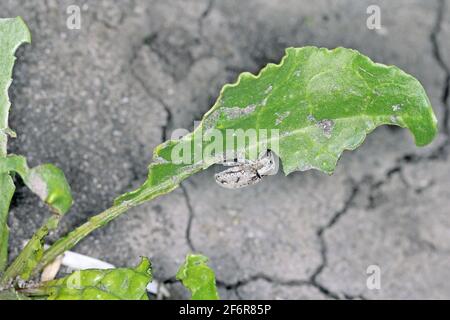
(13, 32)
(317, 102)
(7, 189)
(109, 284)
(198, 278)
(50, 184)
(46, 181)
(31, 254)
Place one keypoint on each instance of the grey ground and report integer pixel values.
(96, 101)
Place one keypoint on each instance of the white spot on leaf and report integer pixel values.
(264, 102)
(327, 127)
(269, 88)
(396, 107)
(237, 112)
(37, 185)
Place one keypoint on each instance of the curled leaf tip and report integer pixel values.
(46, 181)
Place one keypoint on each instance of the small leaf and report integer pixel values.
(46, 181)
(105, 284)
(319, 102)
(198, 278)
(49, 183)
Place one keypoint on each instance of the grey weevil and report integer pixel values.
(246, 173)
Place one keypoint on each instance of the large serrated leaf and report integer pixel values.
(198, 277)
(319, 101)
(109, 284)
(13, 32)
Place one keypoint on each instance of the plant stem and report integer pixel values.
(7, 189)
(30, 254)
(99, 220)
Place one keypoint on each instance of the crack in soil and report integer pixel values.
(440, 61)
(373, 187)
(202, 18)
(259, 276)
(324, 248)
(169, 117)
(190, 218)
(288, 283)
(312, 281)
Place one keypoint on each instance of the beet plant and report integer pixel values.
(306, 110)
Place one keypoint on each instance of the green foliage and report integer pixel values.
(13, 32)
(109, 284)
(46, 181)
(198, 277)
(7, 189)
(129, 284)
(321, 101)
(49, 183)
